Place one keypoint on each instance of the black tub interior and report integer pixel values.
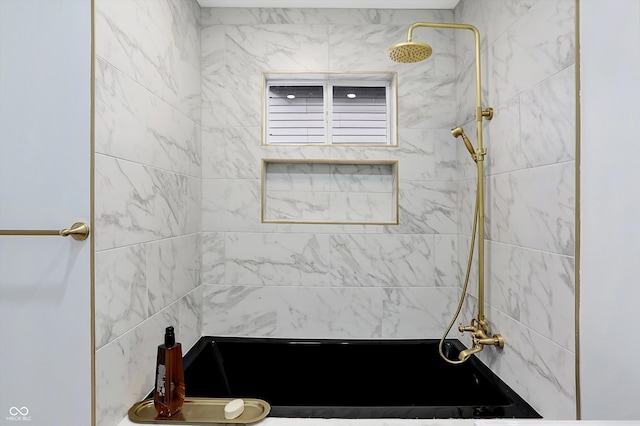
(349, 378)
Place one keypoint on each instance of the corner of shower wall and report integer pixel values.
(148, 208)
(528, 64)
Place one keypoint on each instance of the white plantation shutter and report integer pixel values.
(359, 115)
(330, 111)
(300, 119)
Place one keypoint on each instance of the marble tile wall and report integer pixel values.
(330, 192)
(402, 281)
(528, 49)
(321, 280)
(148, 192)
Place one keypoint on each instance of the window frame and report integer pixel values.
(327, 80)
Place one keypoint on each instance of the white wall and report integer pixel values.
(45, 163)
(609, 206)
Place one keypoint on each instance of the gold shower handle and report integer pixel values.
(79, 231)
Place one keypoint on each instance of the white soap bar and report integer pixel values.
(233, 409)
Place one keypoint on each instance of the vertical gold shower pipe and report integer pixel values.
(480, 153)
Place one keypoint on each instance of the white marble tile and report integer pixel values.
(548, 120)
(503, 280)
(548, 287)
(505, 150)
(178, 20)
(298, 206)
(299, 152)
(125, 367)
(213, 49)
(425, 103)
(417, 153)
(325, 228)
(133, 124)
(129, 40)
(444, 55)
(173, 270)
(362, 178)
(306, 192)
(464, 247)
(230, 205)
(535, 208)
(277, 259)
(540, 45)
(409, 16)
(258, 16)
(427, 208)
(350, 207)
(382, 260)
(364, 47)
(213, 258)
(330, 312)
(262, 16)
(540, 371)
(418, 313)
(311, 177)
(256, 48)
(213, 154)
(231, 101)
(139, 204)
(446, 261)
(190, 318)
(466, 90)
(445, 154)
(239, 310)
(114, 396)
(492, 18)
(121, 299)
(473, 13)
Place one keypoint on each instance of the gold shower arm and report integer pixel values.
(79, 231)
(480, 113)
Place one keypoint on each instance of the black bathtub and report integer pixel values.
(350, 378)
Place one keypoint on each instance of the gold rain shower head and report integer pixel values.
(409, 52)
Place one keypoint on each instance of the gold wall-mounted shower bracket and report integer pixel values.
(486, 113)
(479, 155)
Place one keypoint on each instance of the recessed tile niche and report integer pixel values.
(330, 191)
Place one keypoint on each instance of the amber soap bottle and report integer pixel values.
(168, 395)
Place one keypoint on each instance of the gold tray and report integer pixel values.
(200, 411)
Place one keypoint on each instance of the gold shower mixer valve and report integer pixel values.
(475, 327)
(479, 337)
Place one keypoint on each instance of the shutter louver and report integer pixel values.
(299, 118)
(359, 115)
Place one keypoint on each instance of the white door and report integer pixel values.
(46, 351)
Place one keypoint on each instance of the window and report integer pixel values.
(330, 109)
